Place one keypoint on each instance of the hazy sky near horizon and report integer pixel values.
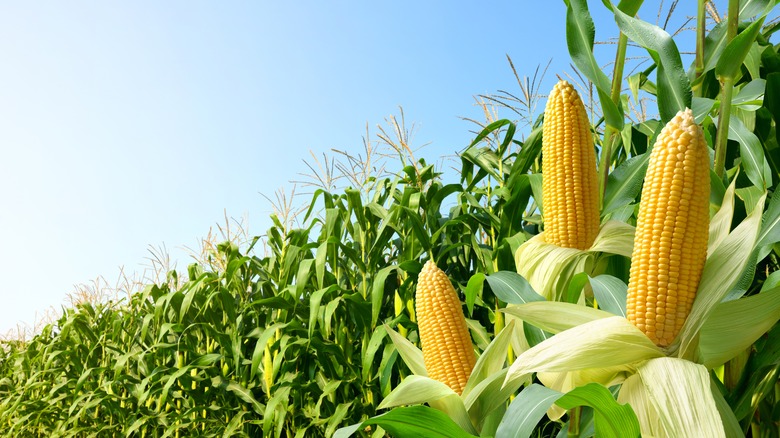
(130, 125)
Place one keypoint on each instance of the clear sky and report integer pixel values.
(125, 125)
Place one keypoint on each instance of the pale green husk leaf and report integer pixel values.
(720, 224)
(542, 263)
(606, 342)
(679, 390)
(555, 317)
(547, 267)
(615, 237)
(633, 392)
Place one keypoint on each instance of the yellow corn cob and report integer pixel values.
(670, 244)
(446, 344)
(570, 185)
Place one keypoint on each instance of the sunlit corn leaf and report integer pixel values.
(610, 293)
(454, 408)
(680, 393)
(721, 273)
(473, 290)
(605, 342)
(410, 422)
(416, 390)
(378, 291)
(412, 356)
(734, 325)
(555, 317)
(750, 196)
(750, 96)
(492, 358)
(701, 108)
(606, 376)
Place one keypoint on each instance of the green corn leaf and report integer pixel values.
(611, 419)
(416, 390)
(378, 292)
(730, 62)
(624, 183)
(674, 88)
(525, 411)
(512, 288)
(722, 271)
(770, 222)
(751, 151)
(410, 422)
(734, 325)
(610, 293)
(473, 290)
(580, 34)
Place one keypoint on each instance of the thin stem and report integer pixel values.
(722, 139)
(574, 422)
(700, 37)
(610, 133)
(727, 86)
(733, 20)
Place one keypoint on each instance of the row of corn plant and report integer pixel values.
(288, 343)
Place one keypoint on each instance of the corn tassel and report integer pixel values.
(670, 244)
(447, 350)
(570, 184)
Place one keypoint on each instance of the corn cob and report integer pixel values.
(670, 244)
(570, 185)
(446, 344)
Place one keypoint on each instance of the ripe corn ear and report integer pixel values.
(570, 184)
(446, 344)
(670, 244)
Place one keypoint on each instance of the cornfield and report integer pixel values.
(602, 272)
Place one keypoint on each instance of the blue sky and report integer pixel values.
(125, 125)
